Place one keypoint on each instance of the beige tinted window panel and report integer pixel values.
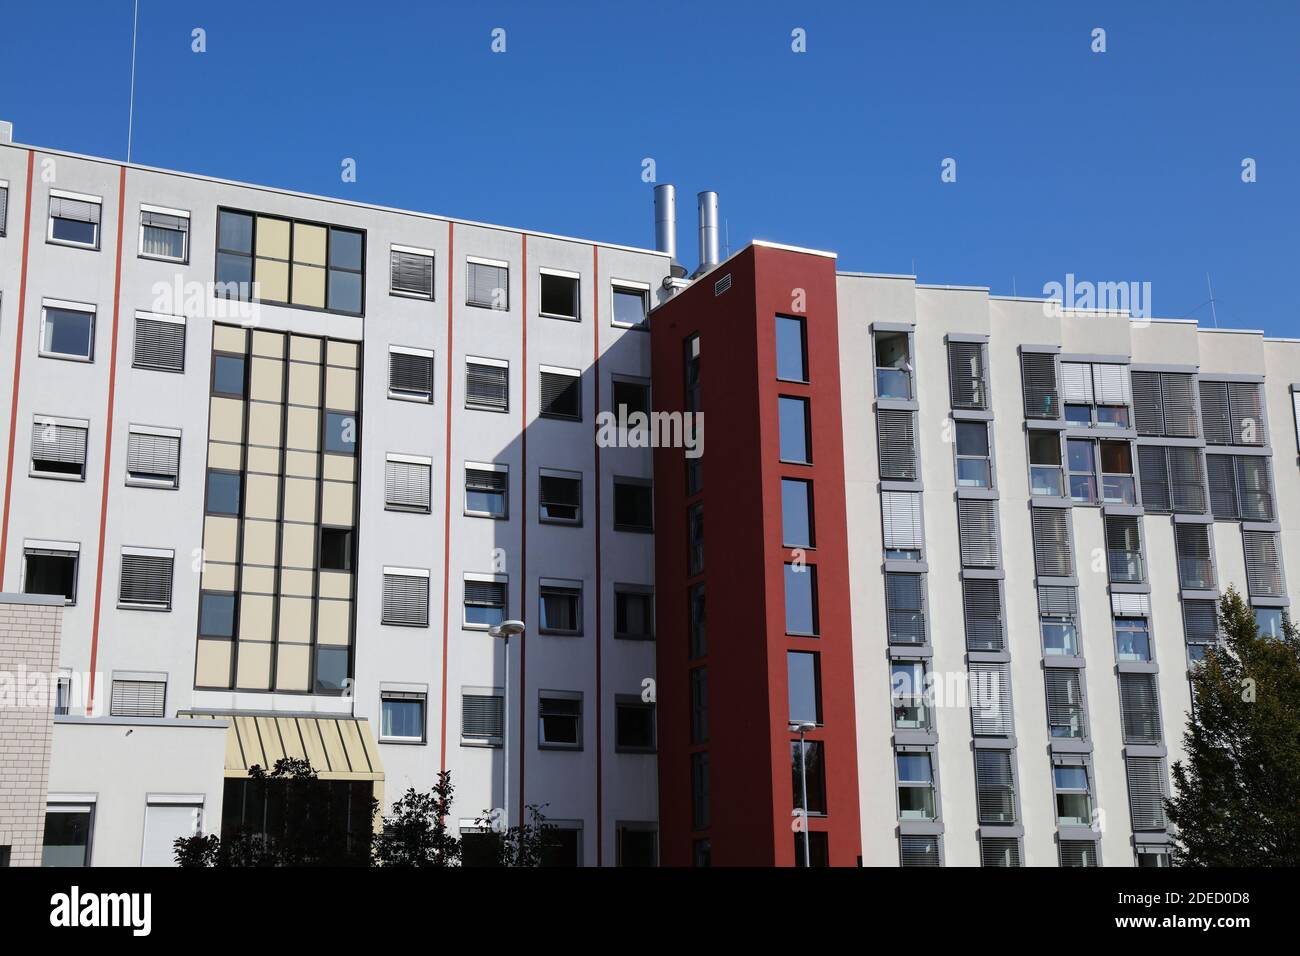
(255, 617)
(219, 537)
(229, 338)
(224, 456)
(308, 243)
(341, 353)
(304, 429)
(259, 542)
(292, 667)
(212, 664)
(309, 286)
(336, 584)
(218, 577)
(269, 344)
(265, 461)
(264, 424)
(300, 463)
(304, 384)
(267, 380)
(341, 389)
(272, 238)
(340, 468)
(304, 349)
(261, 496)
(295, 619)
(332, 623)
(336, 503)
(272, 280)
(226, 420)
(298, 546)
(296, 582)
(299, 499)
(258, 580)
(253, 669)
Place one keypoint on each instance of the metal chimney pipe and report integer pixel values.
(708, 230)
(666, 219)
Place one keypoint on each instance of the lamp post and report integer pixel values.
(506, 630)
(801, 727)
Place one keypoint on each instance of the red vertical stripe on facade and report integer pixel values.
(595, 369)
(446, 503)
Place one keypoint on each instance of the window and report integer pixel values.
(67, 835)
(1139, 708)
(223, 492)
(699, 644)
(1065, 704)
(1195, 565)
(51, 570)
(336, 549)
(561, 393)
(905, 604)
(559, 294)
(159, 342)
(1038, 381)
(341, 433)
(791, 349)
(559, 718)
(695, 538)
(966, 375)
(487, 490)
(990, 711)
(634, 613)
(216, 614)
(164, 233)
(405, 597)
(138, 698)
(485, 602)
(633, 505)
(74, 219)
(995, 787)
(801, 599)
(631, 304)
(796, 513)
(893, 365)
(410, 272)
(1073, 795)
(1146, 792)
(812, 773)
(999, 851)
(559, 496)
(630, 397)
(915, 785)
(1164, 404)
(67, 330)
(1233, 413)
(1096, 394)
(691, 372)
(1083, 469)
(1200, 627)
(974, 467)
(1117, 485)
(288, 262)
(487, 283)
(1263, 564)
(1058, 616)
(1269, 622)
(634, 725)
(904, 536)
(699, 689)
(1155, 857)
(58, 447)
(4, 205)
(228, 375)
(1077, 853)
(896, 441)
(817, 846)
(482, 718)
(560, 605)
(982, 606)
(700, 804)
(1045, 477)
(407, 483)
(977, 532)
(793, 424)
(401, 716)
(1172, 479)
(1053, 556)
(915, 850)
(1124, 549)
(637, 844)
(487, 385)
(410, 374)
(1132, 639)
(146, 581)
(804, 685)
(908, 692)
(167, 819)
(1241, 487)
(153, 456)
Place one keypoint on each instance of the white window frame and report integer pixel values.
(408, 460)
(165, 211)
(4, 221)
(560, 274)
(83, 424)
(629, 285)
(78, 197)
(64, 304)
(561, 584)
(393, 691)
(388, 375)
(160, 432)
(485, 466)
(542, 742)
(433, 268)
(72, 548)
(502, 579)
(146, 553)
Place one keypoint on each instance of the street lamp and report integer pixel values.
(801, 727)
(506, 630)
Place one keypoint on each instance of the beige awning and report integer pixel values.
(339, 748)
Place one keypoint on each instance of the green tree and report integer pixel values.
(1234, 800)
(416, 834)
(524, 844)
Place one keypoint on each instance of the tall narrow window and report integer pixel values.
(695, 538)
(699, 644)
(896, 442)
(995, 788)
(1124, 549)
(1058, 611)
(796, 513)
(1038, 377)
(801, 599)
(893, 365)
(794, 426)
(791, 349)
(1045, 475)
(808, 771)
(966, 376)
(982, 604)
(1065, 706)
(915, 785)
(974, 466)
(699, 681)
(803, 670)
(905, 608)
(1139, 708)
(908, 695)
(1195, 565)
(1073, 795)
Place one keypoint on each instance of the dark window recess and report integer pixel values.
(638, 846)
(559, 296)
(631, 397)
(228, 375)
(695, 538)
(634, 726)
(223, 493)
(559, 498)
(818, 847)
(699, 683)
(561, 396)
(633, 506)
(336, 549)
(561, 722)
(791, 349)
(410, 376)
(634, 615)
(51, 572)
(216, 614)
(814, 766)
(336, 833)
(699, 644)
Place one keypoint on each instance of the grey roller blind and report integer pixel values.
(1247, 411)
(63, 208)
(1056, 601)
(483, 283)
(982, 606)
(1153, 470)
(977, 531)
(966, 375)
(1148, 416)
(4, 208)
(406, 485)
(1223, 485)
(1078, 853)
(1139, 708)
(486, 594)
(1178, 397)
(146, 580)
(1076, 382)
(406, 600)
(487, 385)
(412, 273)
(901, 516)
(138, 698)
(1215, 416)
(1110, 384)
(1195, 566)
(561, 395)
(411, 374)
(1200, 622)
(481, 716)
(990, 704)
(491, 482)
(1065, 705)
(1038, 380)
(897, 442)
(1124, 548)
(1186, 480)
(1263, 565)
(1254, 487)
(905, 607)
(159, 345)
(153, 456)
(1146, 792)
(918, 850)
(999, 851)
(61, 443)
(1052, 554)
(995, 787)
(164, 220)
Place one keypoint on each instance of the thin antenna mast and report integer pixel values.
(1214, 313)
(130, 120)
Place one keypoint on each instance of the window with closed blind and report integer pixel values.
(982, 606)
(967, 375)
(487, 385)
(1146, 792)
(1053, 556)
(995, 786)
(559, 496)
(146, 581)
(487, 490)
(1078, 853)
(977, 532)
(164, 233)
(990, 704)
(560, 393)
(900, 513)
(153, 457)
(410, 374)
(1200, 627)
(1124, 550)
(487, 283)
(1096, 394)
(999, 851)
(1038, 382)
(138, 698)
(1241, 487)
(74, 219)
(917, 850)
(1263, 564)
(1172, 479)
(1066, 713)
(485, 601)
(159, 342)
(482, 716)
(1139, 708)
(406, 597)
(4, 206)
(1195, 562)
(905, 608)
(407, 481)
(896, 438)
(58, 447)
(1164, 404)
(410, 272)
(1233, 413)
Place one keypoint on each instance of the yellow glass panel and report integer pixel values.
(304, 429)
(258, 580)
(303, 348)
(219, 538)
(298, 544)
(212, 668)
(269, 344)
(308, 286)
(294, 582)
(342, 353)
(341, 467)
(264, 460)
(333, 623)
(254, 666)
(255, 617)
(308, 244)
(259, 542)
(264, 424)
(293, 668)
(304, 384)
(218, 577)
(300, 463)
(272, 238)
(228, 338)
(336, 503)
(262, 496)
(267, 380)
(272, 280)
(226, 420)
(295, 620)
(336, 584)
(222, 455)
(299, 499)
(341, 389)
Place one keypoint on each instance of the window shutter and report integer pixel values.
(1214, 413)
(1255, 488)
(64, 208)
(966, 375)
(406, 600)
(1147, 413)
(918, 850)
(1187, 480)
(159, 345)
(138, 698)
(990, 705)
(486, 593)
(1179, 400)
(1065, 706)
(1154, 473)
(1038, 374)
(406, 485)
(484, 280)
(62, 443)
(153, 456)
(1146, 792)
(1195, 567)
(1200, 622)
(904, 603)
(1223, 486)
(1052, 553)
(1058, 601)
(901, 514)
(146, 580)
(4, 208)
(897, 444)
(1130, 605)
(999, 851)
(411, 374)
(412, 273)
(481, 716)
(977, 531)
(982, 600)
(1076, 382)
(1078, 853)
(561, 395)
(487, 385)
(491, 482)
(1110, 385)
(1139, 708)
(1263, 566)
(995, 789)
(1247, 413)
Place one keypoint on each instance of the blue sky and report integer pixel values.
(1118, 166)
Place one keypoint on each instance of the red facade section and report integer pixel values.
(751, 784)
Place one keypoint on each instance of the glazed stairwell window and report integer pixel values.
(74, 219)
